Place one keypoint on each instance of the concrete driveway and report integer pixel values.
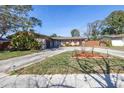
(19, 62)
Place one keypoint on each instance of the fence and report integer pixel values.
(92, 43)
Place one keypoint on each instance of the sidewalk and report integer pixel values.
(62, 81)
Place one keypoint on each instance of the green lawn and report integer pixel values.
(64, 63)
(117, 48)
(8, 54)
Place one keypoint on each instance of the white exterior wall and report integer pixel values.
(118, 42)
(43, 41)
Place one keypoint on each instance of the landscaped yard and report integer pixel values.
(8, 54)
(64, 63)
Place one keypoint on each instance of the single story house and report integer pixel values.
(55, 42)
(68, 41)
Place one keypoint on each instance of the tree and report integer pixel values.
(31, 23)
(94, 29)
(15, 18)
(108, 31)
(54, 35)
(115, 22)
(75, 33)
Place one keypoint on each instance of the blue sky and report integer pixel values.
(62, 19)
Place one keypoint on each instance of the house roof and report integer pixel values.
(114, 36)
(68, 38)
(4, 40)
(41, 36)
(36, 35)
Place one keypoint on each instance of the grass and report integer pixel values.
(64, 63)
(117, 48)
(11, 54)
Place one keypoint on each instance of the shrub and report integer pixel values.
(106, 43)
(24, 41)
(35, 45)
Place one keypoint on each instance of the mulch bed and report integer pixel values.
(90, 55)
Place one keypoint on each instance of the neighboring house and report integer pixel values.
(4, 43)
(116, 40)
